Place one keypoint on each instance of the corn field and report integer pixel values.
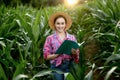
(23, 30)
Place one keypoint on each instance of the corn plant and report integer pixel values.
(21, 38)
(23, 31)
(106, 16)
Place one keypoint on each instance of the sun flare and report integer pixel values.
(72, 2)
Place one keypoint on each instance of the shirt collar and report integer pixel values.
(67, 35)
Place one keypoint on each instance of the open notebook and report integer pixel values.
(66, 47)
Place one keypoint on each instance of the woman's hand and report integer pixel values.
(56, 55)
(74, 51)
(52, 56)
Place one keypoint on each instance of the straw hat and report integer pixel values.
(55, 15)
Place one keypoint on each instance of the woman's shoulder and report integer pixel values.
(71, 37)
(50, 36)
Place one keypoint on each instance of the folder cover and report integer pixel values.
(66, 47)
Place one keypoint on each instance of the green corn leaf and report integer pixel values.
(2, 74)
(2, 43)
(69, 76)
(19, 69)
(42, 73)
(112, 58)
(20, 76)
(35, 27)
(89, 76)
(110, 72)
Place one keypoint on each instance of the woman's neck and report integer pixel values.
(61, 35)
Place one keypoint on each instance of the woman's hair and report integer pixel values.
(59, 17)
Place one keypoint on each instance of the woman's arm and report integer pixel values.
(47, 50)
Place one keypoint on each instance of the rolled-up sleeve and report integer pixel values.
(76, 56)
(47, 47)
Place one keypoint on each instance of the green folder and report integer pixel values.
(66, 47)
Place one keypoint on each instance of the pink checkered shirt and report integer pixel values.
(52, 43)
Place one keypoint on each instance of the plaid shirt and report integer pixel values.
(52, 43)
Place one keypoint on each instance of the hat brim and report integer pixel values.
(66, 16)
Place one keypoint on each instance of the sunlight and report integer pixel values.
(72, 2)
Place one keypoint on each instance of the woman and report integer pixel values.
(60, 22)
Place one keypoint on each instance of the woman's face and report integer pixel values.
(60, 24)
